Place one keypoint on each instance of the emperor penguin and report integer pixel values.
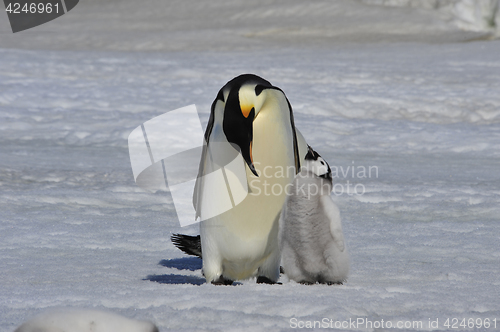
(311, 240)
(255, 117)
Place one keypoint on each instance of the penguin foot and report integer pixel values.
(305, 282)
(222, 281)
(330, 283)
(266, 280)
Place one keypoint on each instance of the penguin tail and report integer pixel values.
(191, 245)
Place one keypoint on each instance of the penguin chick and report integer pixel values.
(310, 236)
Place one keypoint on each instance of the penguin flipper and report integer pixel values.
(191, 245)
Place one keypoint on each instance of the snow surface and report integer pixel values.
(84, 321)
(406, 96)
(475, 15)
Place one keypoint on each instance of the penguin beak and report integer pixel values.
(246, 111)
(250, 161)
(249, 111)
(238, 128)
(246, 152)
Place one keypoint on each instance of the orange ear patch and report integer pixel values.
(246, 109)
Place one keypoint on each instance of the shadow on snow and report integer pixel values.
(176, 279)
(187, 263)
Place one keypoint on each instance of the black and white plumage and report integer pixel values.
(311, 238)
(189, 244)
(257, 118)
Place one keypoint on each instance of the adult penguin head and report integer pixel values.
(243, 100)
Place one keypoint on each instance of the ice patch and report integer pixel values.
(84, 320)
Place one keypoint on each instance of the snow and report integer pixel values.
(397, 89)
(84, 321)
(474, 15)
